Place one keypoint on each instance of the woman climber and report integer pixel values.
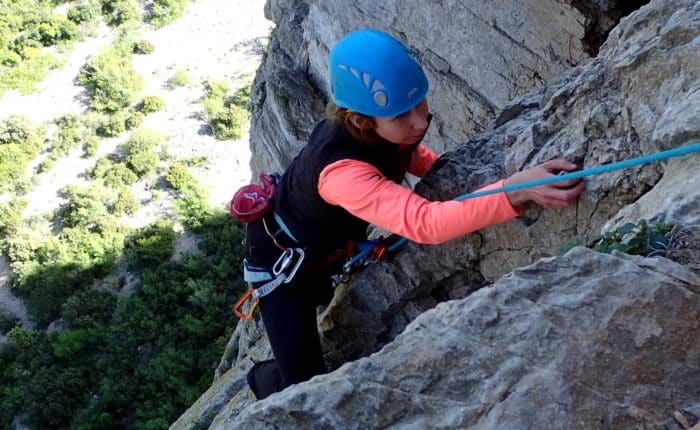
(348, 176)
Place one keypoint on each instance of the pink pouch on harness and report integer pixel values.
(252, 202)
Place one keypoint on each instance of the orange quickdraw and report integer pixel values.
(237, 307)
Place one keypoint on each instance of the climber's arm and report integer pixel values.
(364, 192)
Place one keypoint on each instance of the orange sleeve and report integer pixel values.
(362, 190)
(423, 159)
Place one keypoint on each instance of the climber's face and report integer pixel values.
(407, 128)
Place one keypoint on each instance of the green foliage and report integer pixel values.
(138, 364)
(92, 144)
(143, 47)
(11, 216)
(133, 120)
(27, 26)
(166, 11)
(84, 11)
(7, 321)
(114, 174)
(635, 239)
(126, 203)
(151, 245)
(87, 206)
(197, 161)
(119, 12)
(110, 80)
(20, 142)
(71, 133)
(227, 116)
(87, 309)
(140, 153)
(113, 125)
(151, 104)
(181, 179)
(179, 79)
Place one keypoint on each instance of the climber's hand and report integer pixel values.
(557, 195)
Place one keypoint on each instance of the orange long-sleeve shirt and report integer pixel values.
(362, 190)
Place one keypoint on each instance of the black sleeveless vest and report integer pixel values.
(317, 225)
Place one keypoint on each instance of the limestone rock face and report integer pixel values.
(584, 341)
(477, 55)
(641, 95)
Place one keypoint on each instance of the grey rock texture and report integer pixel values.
(584, 341)
(641, 95)
(478, 56)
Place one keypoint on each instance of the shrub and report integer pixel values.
(88, 308)
(113, 125)
(110, 80)
(85, 11)
(11, 216)
(118, 12)
(71, 132)
(126, 203)
(180, 178)
(179, 79)
(166, 11)
(143, 47)
(151, 104)
(133, 120)
(139, 151)
(113, 174)
(150, 246)
(20, 142)
(226, 115)
(92, 144)
(87, 206)
(7, 321)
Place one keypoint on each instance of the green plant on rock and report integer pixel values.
(635, 239)
(110, 81)
(630, 238)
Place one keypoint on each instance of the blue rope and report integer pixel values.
(624, 164)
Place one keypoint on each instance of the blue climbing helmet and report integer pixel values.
(374, 74)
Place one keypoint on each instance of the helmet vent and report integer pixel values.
(380, 98)
(377, 85)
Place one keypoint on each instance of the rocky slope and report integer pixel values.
(586, 340)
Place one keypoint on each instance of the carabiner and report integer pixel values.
(240, 302)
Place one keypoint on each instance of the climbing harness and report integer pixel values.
(289, 263)
(284, 269)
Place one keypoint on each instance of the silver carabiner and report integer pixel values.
(288, 263)
(283, 261)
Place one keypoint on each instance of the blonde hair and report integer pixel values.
(360, 126)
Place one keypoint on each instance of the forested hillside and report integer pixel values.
(119, 260)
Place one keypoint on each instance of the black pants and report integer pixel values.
(289, 315)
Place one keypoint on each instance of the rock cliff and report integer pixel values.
(584, 340)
